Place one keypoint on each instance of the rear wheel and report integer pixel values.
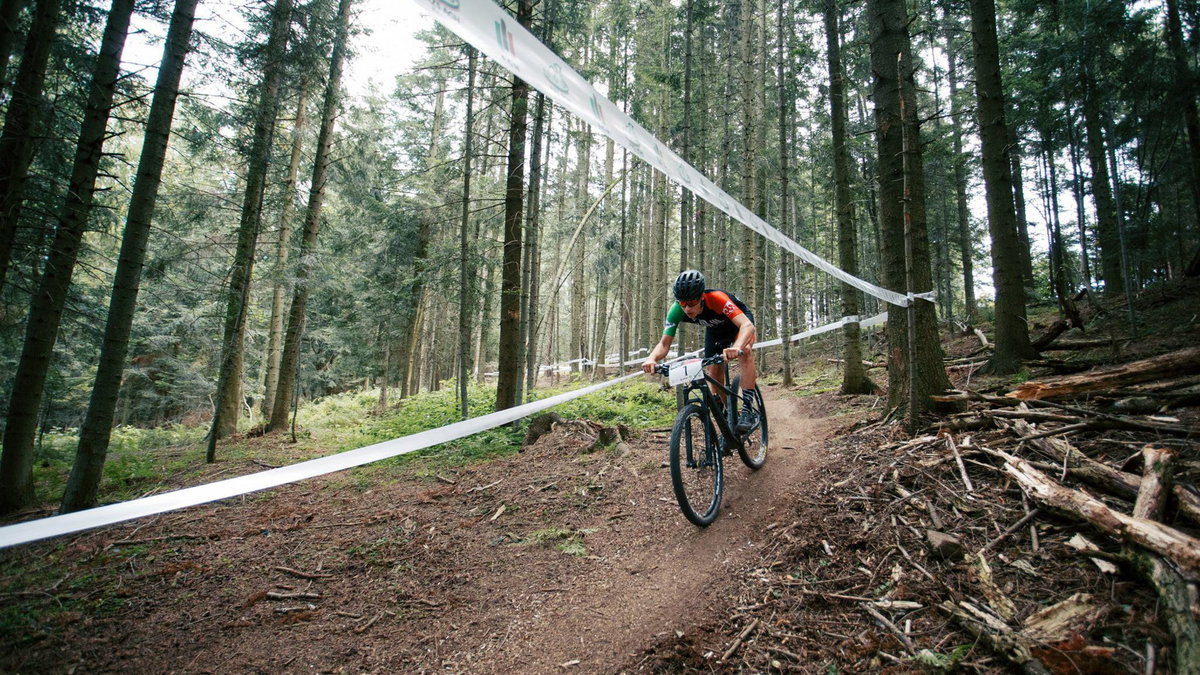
(696, 469)
(753, 449)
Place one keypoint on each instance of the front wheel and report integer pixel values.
(753, 448)
(696, 469)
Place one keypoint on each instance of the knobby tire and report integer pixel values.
(753, 449)
(697, 473)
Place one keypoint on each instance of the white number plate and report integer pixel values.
(685, 371)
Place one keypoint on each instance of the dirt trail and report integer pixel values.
(524, 564)
(664, 582)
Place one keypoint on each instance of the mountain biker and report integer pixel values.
(728, 329)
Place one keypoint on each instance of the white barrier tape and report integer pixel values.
(497, 34)
(873, 321)
(23, 533)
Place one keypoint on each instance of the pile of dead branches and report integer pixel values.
(1039, 537)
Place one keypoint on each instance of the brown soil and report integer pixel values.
(547, 560)
(563, 560)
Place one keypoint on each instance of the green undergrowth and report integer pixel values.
(141, 461)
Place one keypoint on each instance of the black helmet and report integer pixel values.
(689, 285)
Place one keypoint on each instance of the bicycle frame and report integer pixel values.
(712, 402)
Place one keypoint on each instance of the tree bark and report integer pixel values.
(10, 12)
(464, 249)
(46, 305)
(854, 377)
(17, 139)
(1107, 234)
(1180, 548)
(288, 366)
(578, 250)
(966, 243)
(1172, 363)
(1012, 330)
(228, 404)
(1156, 483)
(514, 197)
(96, 430)
(533, 245)
(899, 163)
(282, 252)
(785, 289)
(1185, 87)
(1177, 604)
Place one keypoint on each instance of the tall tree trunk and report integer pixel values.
(289, 364)
(1185, 86)
(385, 369)
(785, 198)
(1059, 282)
(1085, 257)
(421, 265)
(96, 430)
(1012, 153)
(579, 277)
(228, 394)
(46, 305)
(10, 12)
(17, 140)
(1107, 234)
(283, 249)
(1012, 330)
(747, 99)
(900, 171)
(533, 221)
(854, 377)
(510, 277)
(685, 141)
(464, 249)
(966, 243)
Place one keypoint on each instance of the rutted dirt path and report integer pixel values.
(664, 579)
(547, 560)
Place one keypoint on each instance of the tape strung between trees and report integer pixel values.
(78, 521)
(495, 33)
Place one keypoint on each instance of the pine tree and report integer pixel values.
(47, 304)
(96, 430)
(229, 380)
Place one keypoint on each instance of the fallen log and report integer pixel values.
(1095, 418)
(1175, 602)
(1078, 344)
(1173, 592)
(1170, 364)
(1103, 476)
(1178, 547)
(1057, 328)
(1156, 481)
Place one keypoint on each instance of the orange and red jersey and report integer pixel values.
(719, 309)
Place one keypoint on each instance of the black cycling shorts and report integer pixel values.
(717, 339)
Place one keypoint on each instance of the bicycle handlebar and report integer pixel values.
(714, 360)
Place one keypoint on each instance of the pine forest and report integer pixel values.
(238, 234)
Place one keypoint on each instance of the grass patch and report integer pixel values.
(140, 460)
(565, 540)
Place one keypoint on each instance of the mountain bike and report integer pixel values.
(705, 432)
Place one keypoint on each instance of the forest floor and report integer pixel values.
(563, 558)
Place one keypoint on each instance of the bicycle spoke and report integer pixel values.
(695, 466)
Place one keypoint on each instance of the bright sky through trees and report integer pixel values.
(384, 46)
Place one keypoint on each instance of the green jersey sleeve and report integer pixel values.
(674, 316)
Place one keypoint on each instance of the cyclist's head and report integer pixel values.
(689, 285)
